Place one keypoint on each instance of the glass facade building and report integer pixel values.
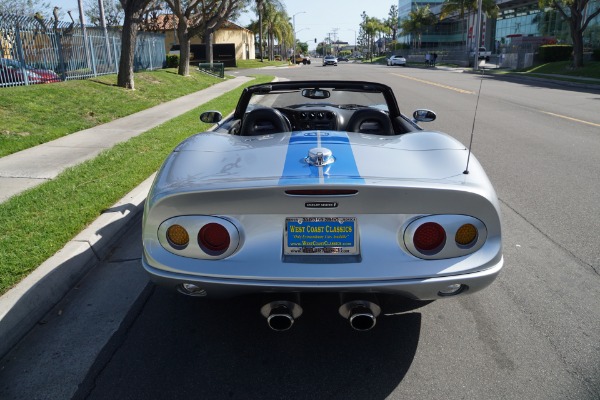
(518, 22)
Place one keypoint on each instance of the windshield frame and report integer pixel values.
(297, 86)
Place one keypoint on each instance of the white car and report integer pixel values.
(396, 60)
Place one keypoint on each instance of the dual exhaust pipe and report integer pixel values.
(361, 314)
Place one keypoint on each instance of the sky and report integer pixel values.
(315, 19)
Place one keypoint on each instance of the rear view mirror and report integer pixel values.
(316, 93)
(211, 117)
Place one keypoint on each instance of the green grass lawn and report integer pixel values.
(39, 222)
(258, 64)
(37, 114)
(590, 69)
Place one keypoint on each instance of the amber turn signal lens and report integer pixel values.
(466, 235)
(178, 236)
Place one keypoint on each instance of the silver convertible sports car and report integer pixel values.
(322, 187)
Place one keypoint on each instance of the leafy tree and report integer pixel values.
(199, 18)
(574, 13)
(302, 46)
(369, 28)
(392, 21)
(113, 12)
(154, 19)
(25, 7)
(215, 13)
(418, 20)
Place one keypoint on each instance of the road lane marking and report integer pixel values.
(435, 84)
(470, 92)
(569, 118)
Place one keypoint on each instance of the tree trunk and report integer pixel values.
(125, 76)
(577, 38)
(208, 40)
(184, 47)
(260, 33)
(575, 23)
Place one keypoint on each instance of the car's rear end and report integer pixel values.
(322, 212)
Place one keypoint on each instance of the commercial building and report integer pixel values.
(520, 25)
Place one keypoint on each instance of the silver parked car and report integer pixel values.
(315, 187)
(396, 60)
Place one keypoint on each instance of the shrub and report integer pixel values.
(555, 52)
(172, 60)
(596, 54)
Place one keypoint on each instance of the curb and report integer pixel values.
(23, 306)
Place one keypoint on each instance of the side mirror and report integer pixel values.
(424, 116)
(211, 117)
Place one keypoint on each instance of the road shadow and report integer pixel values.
(25, 305)
(175, 346)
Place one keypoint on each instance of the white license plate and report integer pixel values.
(320, 236)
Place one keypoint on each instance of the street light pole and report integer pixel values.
(294, 27)
(354, 52)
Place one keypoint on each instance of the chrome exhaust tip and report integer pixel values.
(281, 315)
(361, 314)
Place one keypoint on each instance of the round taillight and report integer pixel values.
(429, 238)
(178, 237)
(466, 235)
(214, 239)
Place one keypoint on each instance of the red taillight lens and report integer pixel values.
(214, 239)
(429, 238)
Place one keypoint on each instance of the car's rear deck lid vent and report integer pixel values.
(321, 192)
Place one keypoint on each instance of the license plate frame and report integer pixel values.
(321, 236)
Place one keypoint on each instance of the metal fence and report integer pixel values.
(506, 56)
(38, 51)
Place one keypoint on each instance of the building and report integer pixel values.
(520, 23)
(229, 33)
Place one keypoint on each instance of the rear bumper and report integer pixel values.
(418, 289)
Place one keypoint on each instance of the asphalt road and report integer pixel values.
(534, 334)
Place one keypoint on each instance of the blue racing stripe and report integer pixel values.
(297, 171)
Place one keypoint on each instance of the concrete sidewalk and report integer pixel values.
(28, 168)
(24, 305)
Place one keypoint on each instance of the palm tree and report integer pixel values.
(456, 6)
(260, 8)
(276, 22)
(418, 20)
(369, 29)
(450, 7)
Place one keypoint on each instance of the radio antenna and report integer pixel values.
(466, 171)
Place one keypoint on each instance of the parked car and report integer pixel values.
(313, 188)
(482, 54)
(396, 60)
(330, 60)
(14, 72)
(342, 58)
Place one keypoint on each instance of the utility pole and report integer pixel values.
(477, 38)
